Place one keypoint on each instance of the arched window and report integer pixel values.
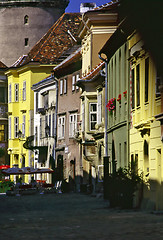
(26, 19)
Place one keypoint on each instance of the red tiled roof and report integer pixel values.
(2, 65)
(56, 41)
(107, 5)
(93, 72)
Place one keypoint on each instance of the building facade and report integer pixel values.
(145, 134)
(23, 23)
(97, 26)
(68, 149)
(44, 125)
(3, 116)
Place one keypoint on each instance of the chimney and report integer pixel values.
(84, 7)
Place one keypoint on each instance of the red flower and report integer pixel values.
(125, 93)
(111, 104)
(119, 98)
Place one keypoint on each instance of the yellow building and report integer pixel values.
(145, 134)
(21, 110)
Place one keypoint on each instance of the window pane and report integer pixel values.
(146, 78)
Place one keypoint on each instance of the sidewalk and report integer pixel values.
(73, 216)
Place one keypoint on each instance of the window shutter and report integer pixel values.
(61, 87)
(73, 82)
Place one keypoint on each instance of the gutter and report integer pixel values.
(55, 122)
(106, 101)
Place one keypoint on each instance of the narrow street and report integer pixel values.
(73, 216)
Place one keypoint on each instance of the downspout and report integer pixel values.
(106, 156)
(106, 101)
(55, 119)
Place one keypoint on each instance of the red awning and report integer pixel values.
(4, 166)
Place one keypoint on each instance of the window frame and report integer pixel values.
(99, 108)
(10, 93)
(73, 82)
(138, 85)
(90, 114)
(65, 86)
(61, 127)
(9, 127)
(24, 90)
(16, 127)
(16, 92)
(23, 125)
(61, 87)
(72, 124)
(146, 79)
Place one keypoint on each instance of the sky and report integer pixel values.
(74, 5)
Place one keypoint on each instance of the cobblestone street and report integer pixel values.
(73, 216)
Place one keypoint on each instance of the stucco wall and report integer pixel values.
(13, 31)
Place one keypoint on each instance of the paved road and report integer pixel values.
(73, 216)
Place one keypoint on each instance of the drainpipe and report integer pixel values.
(55, 119)
(106, 156)
(106, 101)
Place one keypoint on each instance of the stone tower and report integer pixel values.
(23, 23)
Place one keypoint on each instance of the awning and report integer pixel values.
(26, 170)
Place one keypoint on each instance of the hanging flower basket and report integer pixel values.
(125, 94)
(119, 98)
(111, 105)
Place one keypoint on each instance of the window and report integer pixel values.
(133, 88)
(92, 115)
(9, 128)
(49, 125)
(72, 124)
(26, 19)
(61, 127)
(2, 94)
(16, 92)
(99, 107)
(77, 78)
(36, 136)
(2, 132)
(9, 94)
(36, 101)
(73, 82)
(146, 78)
(23, 126)
(83, 117)
(24, 90)
(53, 119)
(138, 84)
(65, 86)
(26, 41)
(46, 123)
(158, 84)
(61, 86)
(16, 126)
(46, 100)
(40, 127)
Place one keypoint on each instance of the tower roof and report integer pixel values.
(60, 37)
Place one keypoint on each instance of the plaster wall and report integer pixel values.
(14, 31)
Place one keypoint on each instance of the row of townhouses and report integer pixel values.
(87, 99)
